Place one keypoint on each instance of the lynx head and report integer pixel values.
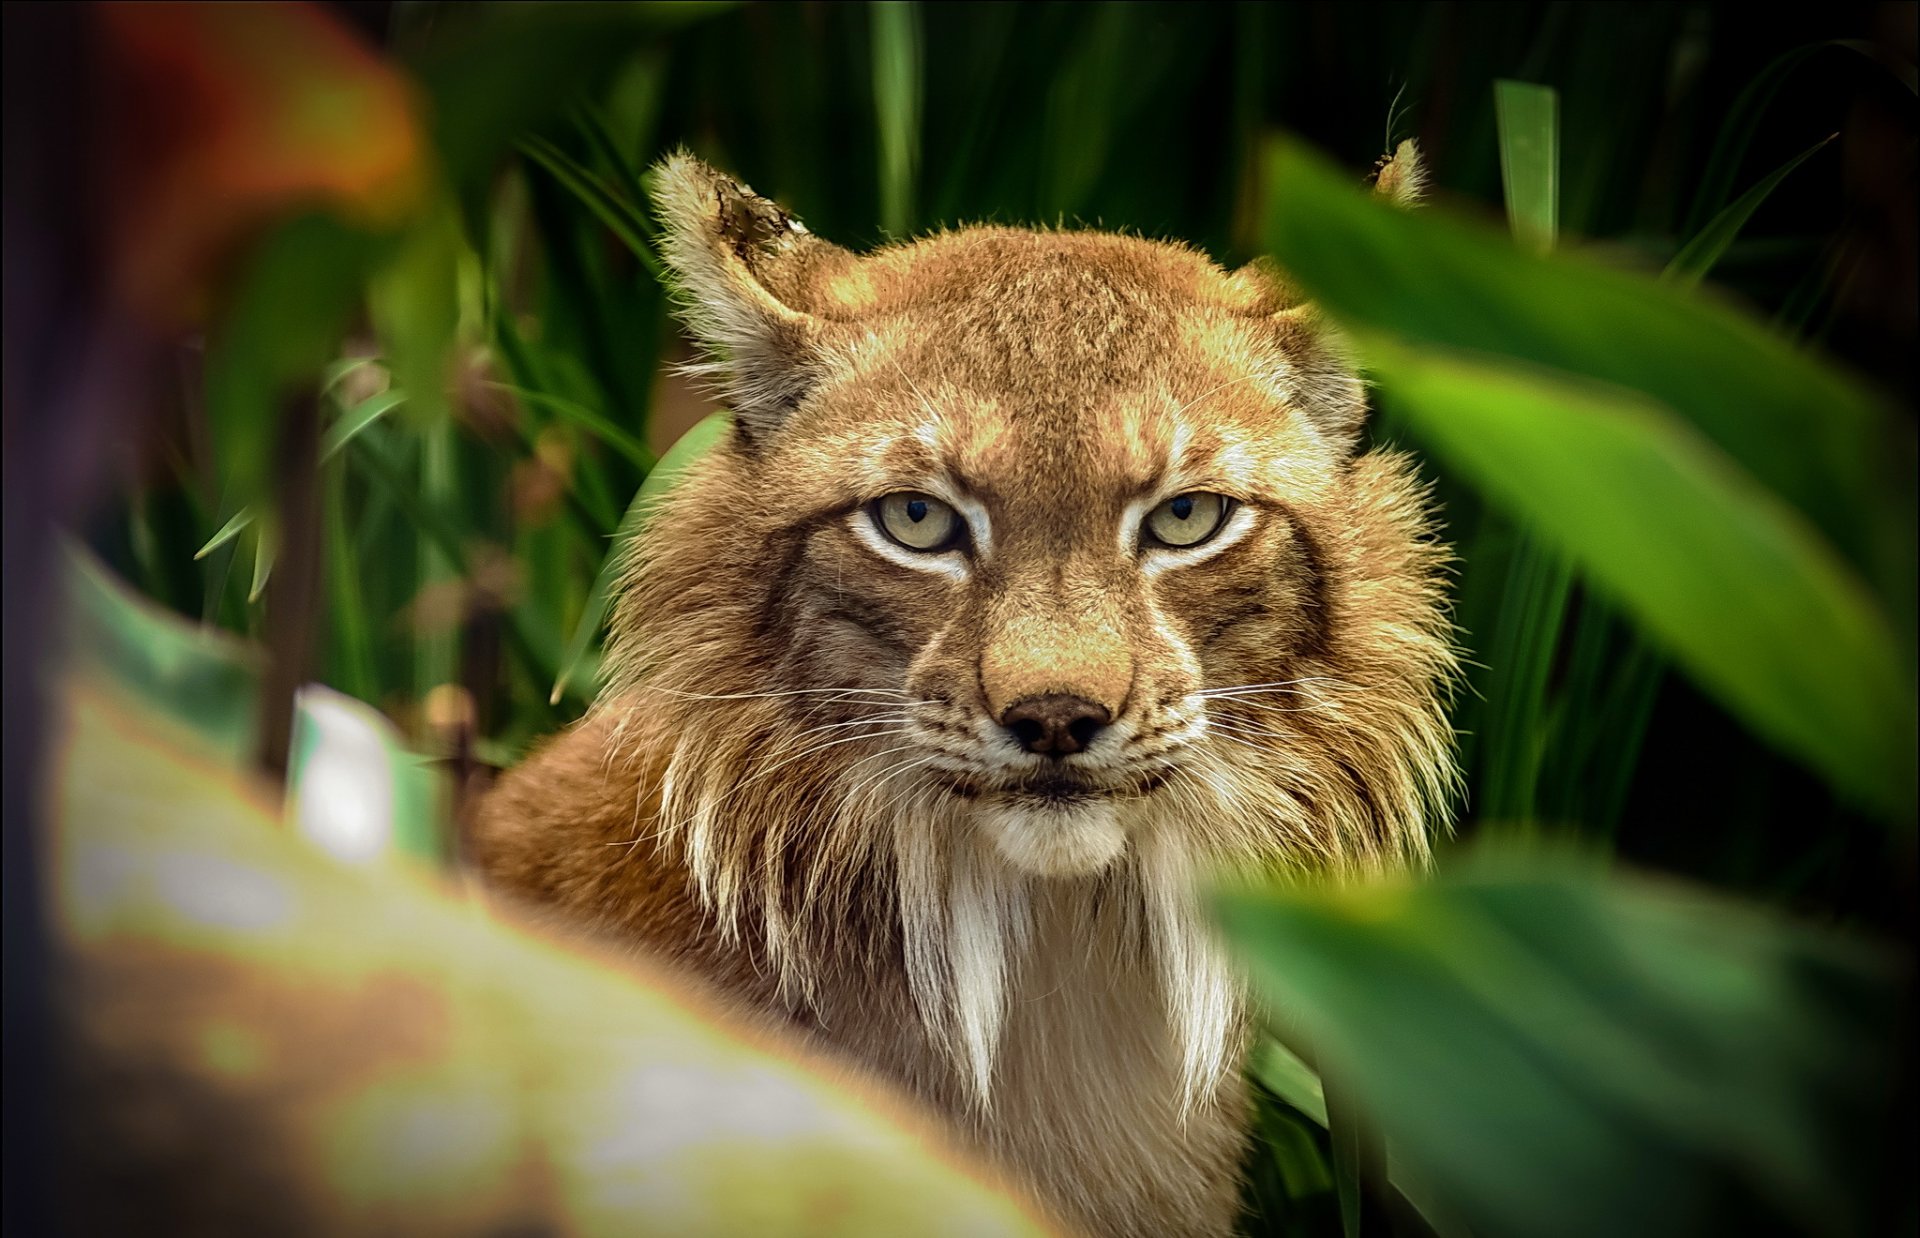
(1035, 561)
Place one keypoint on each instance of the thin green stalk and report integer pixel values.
(896, 103)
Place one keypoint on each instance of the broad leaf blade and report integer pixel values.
(686, 450)
(1735, 584)
(1559, 1052)
(1803, 430)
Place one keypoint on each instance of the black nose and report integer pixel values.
(1055, 725)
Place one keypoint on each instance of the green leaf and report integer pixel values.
(1557, 1051)
(1280, 1070)
(1802, 429)
(415, 305)
(690, 447)
(228, 531)
(1734, 583)
(595, 423)
(1744, 117)
(349, 424)
(624, 219)
(1698, 256)
(266, 546)
(896, 104)
(354, 789)
(197, 676)
(278, 336)
(1529, 121)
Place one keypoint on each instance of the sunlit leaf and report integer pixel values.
(1529, 121)
(896, 102)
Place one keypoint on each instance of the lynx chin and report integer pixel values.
(1041, 575)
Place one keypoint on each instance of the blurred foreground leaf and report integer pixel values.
(200, 677)
(1467, 333)
(1553, 1050)
(1726, 576)
(1807, 433)
(354, 789)
(308, 1046)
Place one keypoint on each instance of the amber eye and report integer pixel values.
(918, 521)
(1188, 519)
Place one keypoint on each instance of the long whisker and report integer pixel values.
(829, 693)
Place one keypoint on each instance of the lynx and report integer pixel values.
(1041, 575)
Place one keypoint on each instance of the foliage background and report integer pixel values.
(494, 386)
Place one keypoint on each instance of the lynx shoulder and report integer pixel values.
(1042, 574)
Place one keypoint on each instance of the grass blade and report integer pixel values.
(597, 424)
(896, 104)
(350, 423)
(690, 447)
(624, 219)
(1699, 255)
(1529, 122)
(228, 531)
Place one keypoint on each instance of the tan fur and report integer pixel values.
(795, 782)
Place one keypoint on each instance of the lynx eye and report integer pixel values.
(1188, 519)
(917, 521)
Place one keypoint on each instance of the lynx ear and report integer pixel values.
(1311, 363)
(740, 267)
(1401, 178)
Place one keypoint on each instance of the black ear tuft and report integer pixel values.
(727, 250)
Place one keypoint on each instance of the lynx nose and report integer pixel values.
(1056, 725)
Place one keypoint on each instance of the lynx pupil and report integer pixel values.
(918, 521)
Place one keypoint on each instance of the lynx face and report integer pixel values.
(1074, 578)
(1034, 557)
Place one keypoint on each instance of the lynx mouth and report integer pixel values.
(1054, 791)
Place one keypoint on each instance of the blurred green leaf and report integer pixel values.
(1559, 1051)
(415, 305)
(1743, 592)
(1529, 120)
(1803, 430)
(350, 423)
(688, 449)
(198, 676)
(896, 104)
(1280, 1070)
(277, 337)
